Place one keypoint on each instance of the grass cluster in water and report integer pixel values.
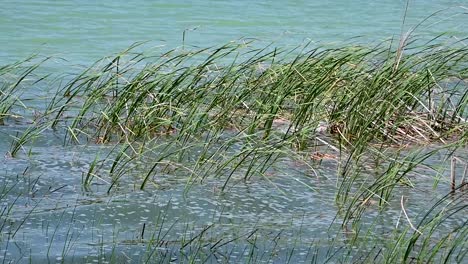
(233, 111)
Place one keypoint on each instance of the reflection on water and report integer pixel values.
(53, 217)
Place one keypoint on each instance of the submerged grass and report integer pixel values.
(232, 112)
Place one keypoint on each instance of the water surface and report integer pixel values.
(83, 31)
(55, 218)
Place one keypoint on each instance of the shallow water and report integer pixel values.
(289, 213)
(54, 217)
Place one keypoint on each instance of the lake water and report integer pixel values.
(53, 218)
(83, 31)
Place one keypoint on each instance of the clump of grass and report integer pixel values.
(356, 94)
(432, 240)
(356, 90)
(30, 134)
(232, 112)
(12, 78)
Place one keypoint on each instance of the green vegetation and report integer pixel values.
(234, 112)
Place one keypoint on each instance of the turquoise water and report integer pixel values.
(83, 31)
(56, 219)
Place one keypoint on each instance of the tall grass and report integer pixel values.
(13, 80)
(231, 112)
(270, 99)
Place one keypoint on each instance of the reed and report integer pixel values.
(355, 93)
(13, 80)
(233, 112)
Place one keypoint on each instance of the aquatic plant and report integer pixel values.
(12, 79)
(357, 94)
(236, 113)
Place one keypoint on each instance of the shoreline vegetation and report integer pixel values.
(233, 112)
